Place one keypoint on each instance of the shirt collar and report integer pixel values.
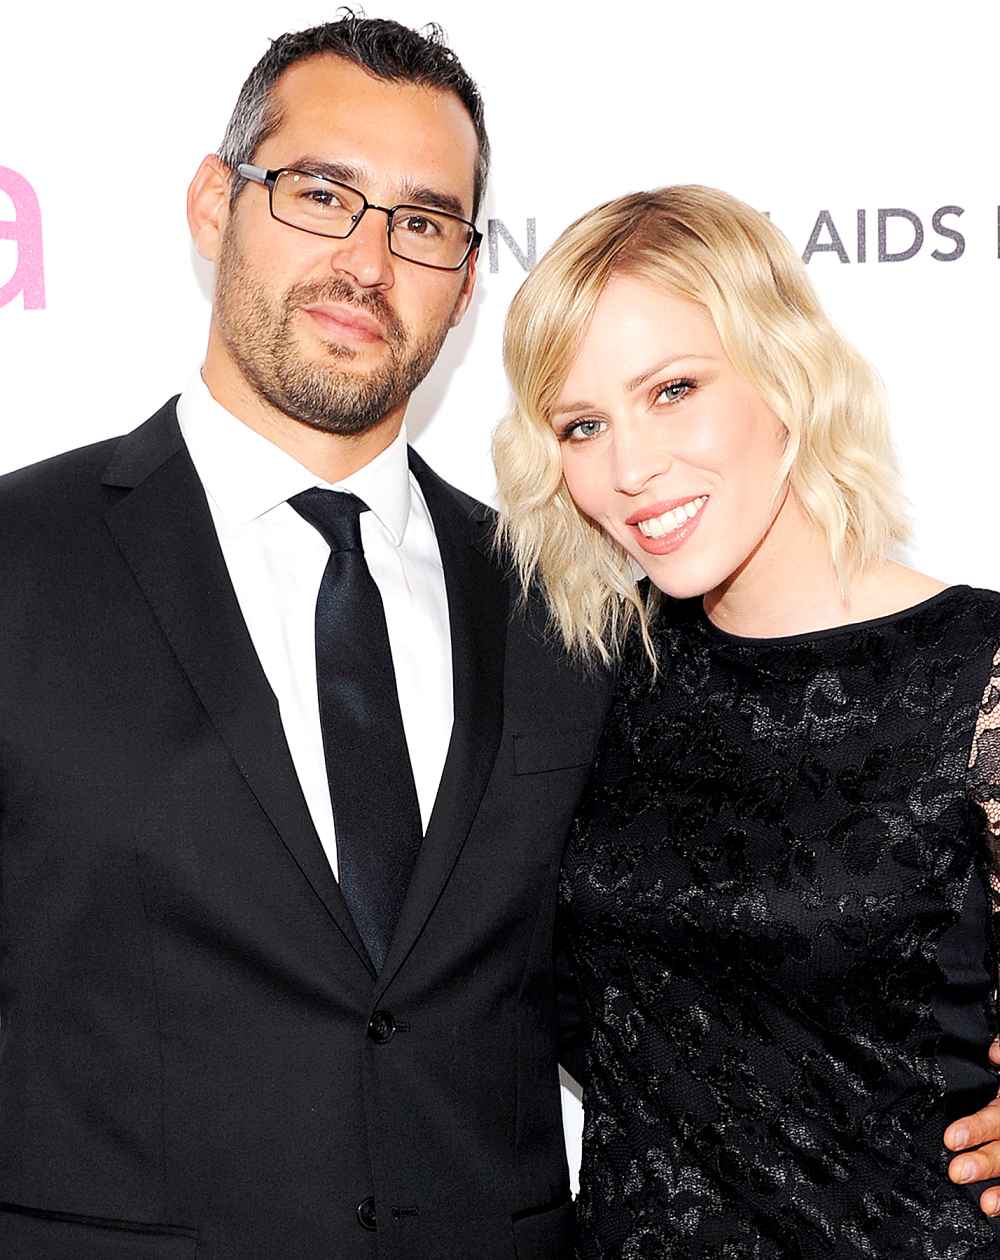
(246, 475)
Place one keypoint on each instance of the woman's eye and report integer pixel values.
(581, 430)
(674, 391)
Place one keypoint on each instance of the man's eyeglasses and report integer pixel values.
(324, 207)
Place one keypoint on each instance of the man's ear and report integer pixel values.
(208, 206)
(465, 293)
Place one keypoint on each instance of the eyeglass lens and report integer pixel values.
(330, 209)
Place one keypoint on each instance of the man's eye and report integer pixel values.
(419, 225)
(321, 197)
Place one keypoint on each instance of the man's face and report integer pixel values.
(338, 333)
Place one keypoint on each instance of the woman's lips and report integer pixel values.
(666, 526)
(343, 323)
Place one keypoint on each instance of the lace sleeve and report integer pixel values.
(984, 769)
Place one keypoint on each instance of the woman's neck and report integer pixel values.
(788, 584)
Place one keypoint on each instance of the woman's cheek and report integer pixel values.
(583, 485)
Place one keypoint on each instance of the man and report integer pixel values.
(285, 773)
(267, 990)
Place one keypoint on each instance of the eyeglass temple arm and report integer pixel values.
(257, 173)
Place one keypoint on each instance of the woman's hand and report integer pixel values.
(981, 1130)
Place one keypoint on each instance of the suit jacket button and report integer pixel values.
(366, 1214)
(381, 1027)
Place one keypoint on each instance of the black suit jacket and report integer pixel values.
(190, 1067)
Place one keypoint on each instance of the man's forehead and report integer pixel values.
(397, 133)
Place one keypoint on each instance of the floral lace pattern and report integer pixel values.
(984, 763)
(777, 897)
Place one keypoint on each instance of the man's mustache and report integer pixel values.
(339, 290)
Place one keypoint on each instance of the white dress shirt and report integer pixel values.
(276, 561)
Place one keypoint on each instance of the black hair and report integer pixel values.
(386, 49)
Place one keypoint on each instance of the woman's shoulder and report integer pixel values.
(957, 628)
(956, 636)
(983, 597)
(901, 597)
(979, 607)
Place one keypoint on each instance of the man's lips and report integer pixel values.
(346, 323)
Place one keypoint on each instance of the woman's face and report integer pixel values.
(663, 444)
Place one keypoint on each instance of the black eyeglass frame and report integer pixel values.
(260, 175)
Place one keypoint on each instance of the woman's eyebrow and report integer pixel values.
(643, 377)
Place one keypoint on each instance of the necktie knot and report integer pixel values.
(335, 513)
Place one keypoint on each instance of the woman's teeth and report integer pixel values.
(659, 526)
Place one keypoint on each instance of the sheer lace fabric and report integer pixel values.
(777, 897)
(984, 761)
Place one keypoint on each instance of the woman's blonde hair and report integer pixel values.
(704, 245)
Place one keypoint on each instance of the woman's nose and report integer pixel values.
(637, 461)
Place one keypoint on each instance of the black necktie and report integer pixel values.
(375, 808)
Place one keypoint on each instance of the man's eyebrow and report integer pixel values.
(411, 194)
(432, 198)
(340, 172)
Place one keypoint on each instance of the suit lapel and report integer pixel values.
(478, 609)
(164, 530)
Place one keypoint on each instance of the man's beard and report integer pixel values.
(260, 337)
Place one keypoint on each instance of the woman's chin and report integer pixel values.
(676, 584)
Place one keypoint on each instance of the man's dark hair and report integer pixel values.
(387, 50)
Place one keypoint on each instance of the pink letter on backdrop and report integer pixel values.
(26, 229)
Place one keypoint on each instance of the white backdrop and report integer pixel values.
(827, 116)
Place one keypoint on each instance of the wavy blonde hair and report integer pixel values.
(706, 246)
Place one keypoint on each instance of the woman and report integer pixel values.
(777, 892)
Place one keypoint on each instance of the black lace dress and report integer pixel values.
(777, 898)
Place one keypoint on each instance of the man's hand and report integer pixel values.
(978, 1165)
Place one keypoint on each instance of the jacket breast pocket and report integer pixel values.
(536, 752)
(30, 1234)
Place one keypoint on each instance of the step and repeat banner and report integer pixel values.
(868, 132)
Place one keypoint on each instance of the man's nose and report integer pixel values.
(364, 255)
